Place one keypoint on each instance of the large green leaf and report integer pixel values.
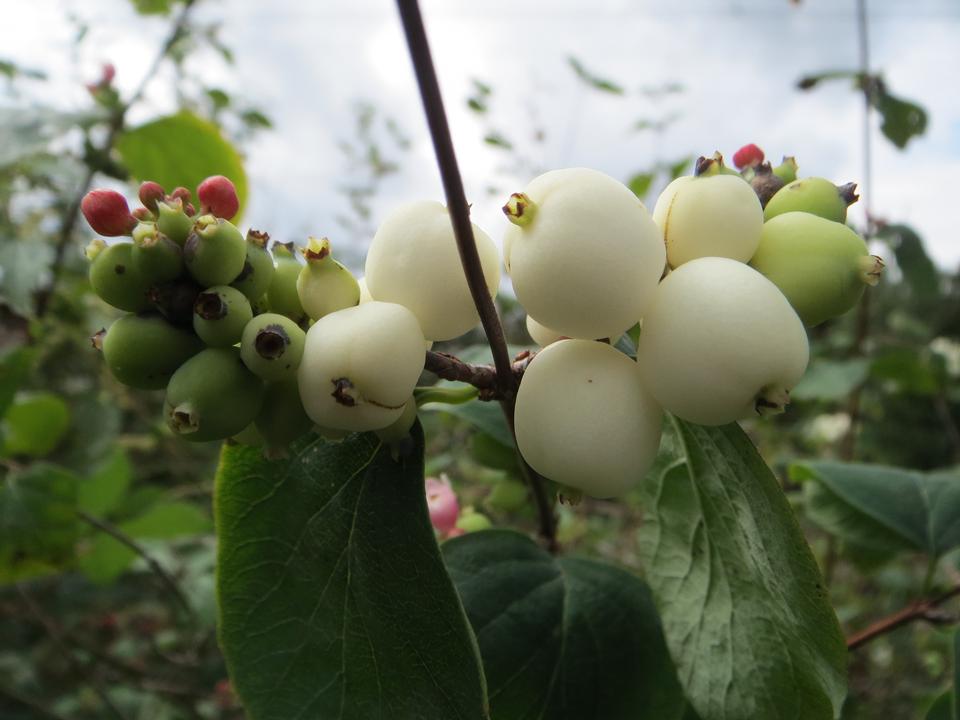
(742, 602)
(565, 638)
(334, 600)
(181, 149)
(831, 379)
(487, 417)
(885, 507)
(102, 491)
(38, 523)
(34, 425)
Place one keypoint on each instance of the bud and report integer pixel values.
(150, 194)
(218, 196)
(442, 504)
(747, 156)
(107, 212)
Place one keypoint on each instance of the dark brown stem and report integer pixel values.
(463, 231)
(78, 669)
(155, 567)
(482, 377)
(72, 212)
(918, 610)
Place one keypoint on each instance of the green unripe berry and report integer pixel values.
(813, 195)
(822, 267)
(786, 170)
(212, 396)
(507, 495)
(157, 258)
(114, 277)
(220, 314)
(173, 222)
(324, 285)
(271, 346)
(282, 418)
(143, 351)
(282, 295)
(175, 299)
(215, 251)
(254, 280)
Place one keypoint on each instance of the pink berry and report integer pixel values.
(108, 213)
(748, 156)
(442, 504)
(180, 192)
(150, 194)
(218, 196)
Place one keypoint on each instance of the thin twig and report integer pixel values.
(919, 610)
(482, 377)
(463, 231)
(72, 212)
(57, 636)
(155, 567)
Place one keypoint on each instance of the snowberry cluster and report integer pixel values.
(254, 345)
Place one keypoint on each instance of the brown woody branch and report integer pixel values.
(506, 382)
(927, 610)
(482, 377)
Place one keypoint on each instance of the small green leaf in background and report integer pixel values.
(34, 425)
(181, 149)
(594, 81)
(918, 269)
(901, 119)
(485, 416)
(566, 638)
(744, 609)
(101, 492)
(640, 184)
(152, 7)
(334, 600)
(908, 371)
(38, 523)
(828, 380)
(884, 506)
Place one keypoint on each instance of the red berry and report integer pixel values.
(180, 192)
(747, 156)
(108, 213)
(150, 194)
(218, 196)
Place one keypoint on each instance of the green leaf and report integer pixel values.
(828, 380)
(562, 638)
(744, 610)
(909, 509)
(34, 425)
(640, 184)
(942, 708)
(38, 523)
(946, 707)
(182, 149)
(14, 368)
(680, 167)
(901, 119)
(498, 140)
(594, 81)
(103, 559)
(105, 488)
(918, 269)
(152, 7)
(907, 371)
(167, 520)
(334, 601)
(487, 417)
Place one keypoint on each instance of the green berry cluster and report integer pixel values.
(215, 316)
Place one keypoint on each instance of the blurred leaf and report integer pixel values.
(562, 638)
(104, 559)
(946, 707)
(167, 520)
(808, 82)
(680, 167)
(492, 453)
(34, 425)
(24, 268)
(640, 184)
(101, 492)
(14, 368)
(827, 380)
(477, 105)
(942, 708)
(901, 119)
(485, 416)
(592, 80)
(909, 370)
(182, 149)
(11, 70)
(334, 600)
(38, 523)
(498, 140)
(742, 602)
(152, 7)
(219, 98)
(905, 509)
(256, 119)
(918, 269)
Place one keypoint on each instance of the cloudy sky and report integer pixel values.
(308, 64)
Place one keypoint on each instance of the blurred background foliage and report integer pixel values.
(106, 539)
